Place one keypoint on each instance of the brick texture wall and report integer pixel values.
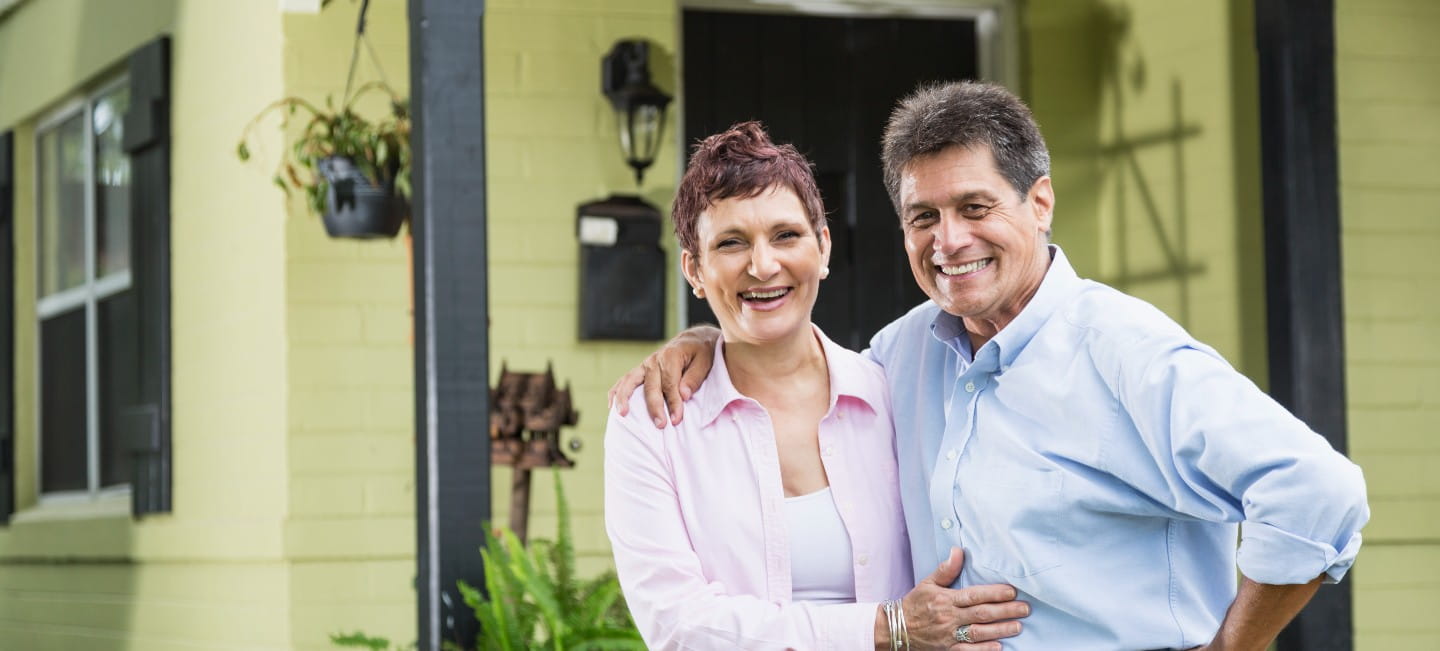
(1388, 80)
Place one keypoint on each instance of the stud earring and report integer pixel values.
(824, 273)
(699, 293)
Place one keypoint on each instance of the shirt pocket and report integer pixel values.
(1016, 514)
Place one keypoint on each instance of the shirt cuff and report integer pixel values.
(1274, 556)
(852, 627)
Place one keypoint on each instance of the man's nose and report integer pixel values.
(952, 234)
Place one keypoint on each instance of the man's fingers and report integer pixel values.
(672, 363)
(949, 569)
(623, 387)
(982, 594)
(989, 613)
(983, 636)
(694, 376)
(654, 392)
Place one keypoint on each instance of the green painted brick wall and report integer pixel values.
(552, 146)
(1149, 110)
(1389, 108)
(349, 533)
(210, 574)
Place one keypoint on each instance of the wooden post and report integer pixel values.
(452, 455)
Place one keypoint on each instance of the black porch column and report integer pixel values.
(452, 447)
(1296, 43)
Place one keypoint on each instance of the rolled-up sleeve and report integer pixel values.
(1229, 452)
(673, 602)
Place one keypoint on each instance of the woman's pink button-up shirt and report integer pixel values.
(696, 516)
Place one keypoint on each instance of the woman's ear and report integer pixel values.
(690, 266)
(824, 237)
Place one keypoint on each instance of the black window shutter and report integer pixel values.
(146, 424)
(7, 325)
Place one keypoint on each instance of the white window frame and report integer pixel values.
(88, 294)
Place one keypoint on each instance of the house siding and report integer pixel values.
(1150, 112)
(553, 146)
(210, 574)
(1389, 135)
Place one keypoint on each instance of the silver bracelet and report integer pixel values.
(904, 628)
(891, 608)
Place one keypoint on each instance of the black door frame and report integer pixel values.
(1295, 42)
(997, 35)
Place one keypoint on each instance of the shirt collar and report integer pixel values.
(1060, 282)
(718, 392)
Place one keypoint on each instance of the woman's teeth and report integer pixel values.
(760, 296)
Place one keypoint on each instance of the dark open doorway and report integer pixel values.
(827, 85)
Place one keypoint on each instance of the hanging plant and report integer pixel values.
(355, 173)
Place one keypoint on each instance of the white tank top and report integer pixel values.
(820, 562)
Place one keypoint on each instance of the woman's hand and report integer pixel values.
(934, 612)
(670, 375)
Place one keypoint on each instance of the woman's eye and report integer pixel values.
(787, 235)
(728, 244)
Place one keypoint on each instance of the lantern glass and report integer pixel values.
(641, 125)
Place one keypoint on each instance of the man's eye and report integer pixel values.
(921, 220)
(974, 210)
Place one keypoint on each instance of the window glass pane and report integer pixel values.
(119, 389)
(62, 205)
(112, 183)
(62, 403)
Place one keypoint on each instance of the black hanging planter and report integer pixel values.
(357, 208)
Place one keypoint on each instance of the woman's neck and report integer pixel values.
(776, 368)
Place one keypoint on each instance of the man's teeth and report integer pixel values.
(776, 293)
(956, 270)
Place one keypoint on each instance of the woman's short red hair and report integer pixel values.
(741, 162)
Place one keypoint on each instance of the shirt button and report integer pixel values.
(829, 450)
(970, 387)
(947, 523)
(950, 456)
(862, 559)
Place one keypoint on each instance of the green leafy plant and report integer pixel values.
(358, 640)
(380, 149)
(535, 601)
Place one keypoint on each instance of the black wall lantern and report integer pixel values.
(639, 105)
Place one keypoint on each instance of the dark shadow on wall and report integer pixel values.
(1085, 69)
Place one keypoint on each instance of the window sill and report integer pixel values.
(110, 504)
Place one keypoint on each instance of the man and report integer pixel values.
(1076, 442)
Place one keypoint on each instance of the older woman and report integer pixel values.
(770, 517)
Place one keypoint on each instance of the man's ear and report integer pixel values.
(1042, 200)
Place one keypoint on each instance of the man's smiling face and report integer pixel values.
(976, 248)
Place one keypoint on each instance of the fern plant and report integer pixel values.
(534, 600)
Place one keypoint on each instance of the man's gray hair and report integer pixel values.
(965, 114)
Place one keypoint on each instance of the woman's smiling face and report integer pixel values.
(758, 263)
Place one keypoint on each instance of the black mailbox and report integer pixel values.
(622, 270)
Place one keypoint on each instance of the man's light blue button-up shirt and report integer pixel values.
(1099, 459)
